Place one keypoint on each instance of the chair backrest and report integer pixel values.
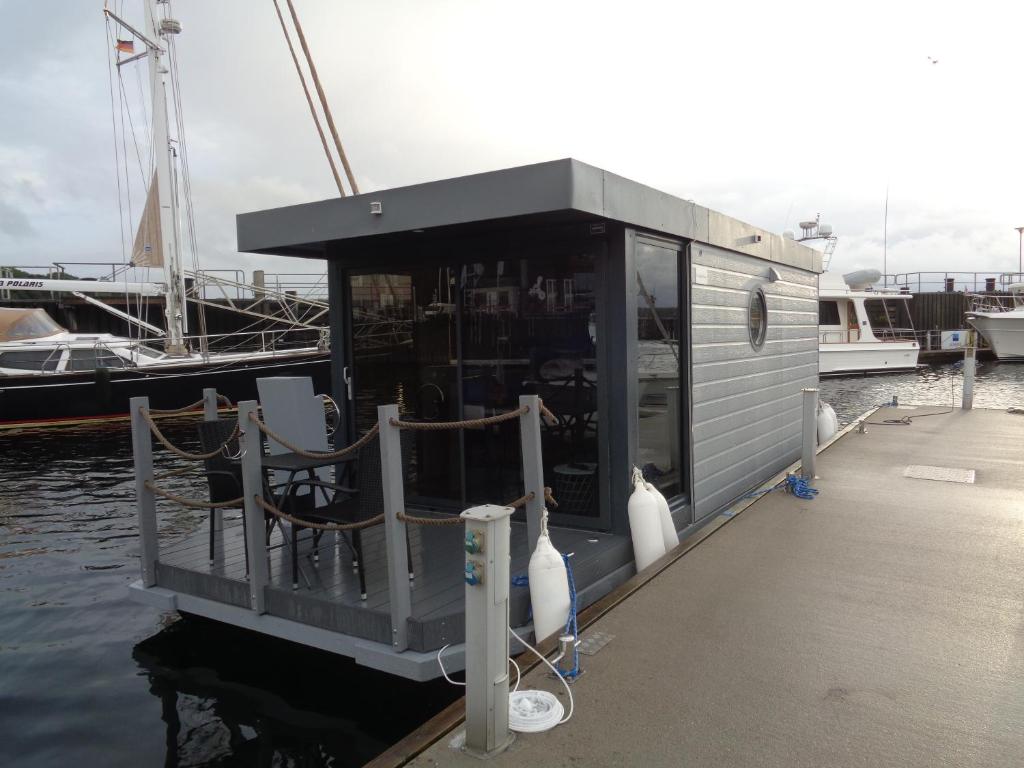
(223, 475)
(368, 478)
(292, 410)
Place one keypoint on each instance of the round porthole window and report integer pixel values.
(757, 318)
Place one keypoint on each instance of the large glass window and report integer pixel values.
(527, 328)
(463, 342)
(31, 360)
(658, 355)
(828, 313)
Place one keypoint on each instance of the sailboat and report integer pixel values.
(49, 374)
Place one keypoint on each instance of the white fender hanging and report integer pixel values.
(668, 528)
(549, 586)
(828, 422)
(644, 524)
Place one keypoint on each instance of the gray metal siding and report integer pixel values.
(746, 402)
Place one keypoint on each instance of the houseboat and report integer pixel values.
(454, 300)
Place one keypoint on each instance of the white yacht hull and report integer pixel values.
(1004, 332)
(864, 357)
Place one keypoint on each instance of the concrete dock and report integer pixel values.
(881, 624)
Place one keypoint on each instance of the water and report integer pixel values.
(88, 677)
(996, 385)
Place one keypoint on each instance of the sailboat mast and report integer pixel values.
(163, 153)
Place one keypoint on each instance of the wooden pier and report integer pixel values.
(879, 624)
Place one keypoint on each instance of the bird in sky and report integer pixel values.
(933, 61)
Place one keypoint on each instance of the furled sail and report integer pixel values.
(147, 251)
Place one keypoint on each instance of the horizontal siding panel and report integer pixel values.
(769, 423)
(713, 334)
(725, 261)
(708, 373)
(751, 382)
(746, 403)
(744, 477)
(747, 283)
(710, 296)
(715, 352)
(704, 315)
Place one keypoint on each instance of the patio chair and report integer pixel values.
(347, 505)
(224, 475)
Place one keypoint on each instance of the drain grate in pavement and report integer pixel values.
(594, 642)
(945, 474)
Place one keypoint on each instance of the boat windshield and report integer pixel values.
(18, 324)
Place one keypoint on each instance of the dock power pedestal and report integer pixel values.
(487, 588)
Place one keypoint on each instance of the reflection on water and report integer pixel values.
(88, 677)
(996, 385)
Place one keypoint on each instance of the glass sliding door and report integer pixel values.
(659, 397)
(404, 351)
(527, 327)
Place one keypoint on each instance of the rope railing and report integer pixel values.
(191, 503)
(338, 454)
(146, 414)
(429, 426)
(186, 408)
(405, 517)
(268, 507)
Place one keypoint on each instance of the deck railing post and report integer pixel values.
(145, 501)
(250, 443)
(399, 589)
(487, 586)
(210, 404)
(210, 414)
(969, 365)
(810, 434)
(533, 467)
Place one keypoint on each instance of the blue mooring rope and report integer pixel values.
(570, 624)
(799, 487)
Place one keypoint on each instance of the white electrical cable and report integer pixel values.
(528, 711)
(533, 711)
(519, 674)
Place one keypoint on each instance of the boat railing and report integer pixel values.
(951, 282)
(251, 431)
(983, 302)
(272, 341)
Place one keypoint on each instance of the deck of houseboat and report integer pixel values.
(326, 610)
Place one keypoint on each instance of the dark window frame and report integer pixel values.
(758, 335)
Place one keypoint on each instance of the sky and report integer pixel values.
(769, 112)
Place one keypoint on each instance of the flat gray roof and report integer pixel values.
(556, 191)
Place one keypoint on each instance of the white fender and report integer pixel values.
(644, 524)
(668, 528)
(828, 422)
(549, 588)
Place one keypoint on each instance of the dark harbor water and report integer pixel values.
(89, 678)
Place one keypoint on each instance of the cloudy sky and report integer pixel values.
(769, 112)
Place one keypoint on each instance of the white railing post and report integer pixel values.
(210, 404)
(487, 586)
(533, 467)
(142, 450)
(969, 366)
(810, 434)
(393, 481)
(250, 444)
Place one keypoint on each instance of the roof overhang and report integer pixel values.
(553, 192)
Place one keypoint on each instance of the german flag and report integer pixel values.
(125, 46)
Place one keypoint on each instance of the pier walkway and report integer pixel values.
(881, 624)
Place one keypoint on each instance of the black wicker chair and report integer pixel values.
(347, 505)
(224, 475)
